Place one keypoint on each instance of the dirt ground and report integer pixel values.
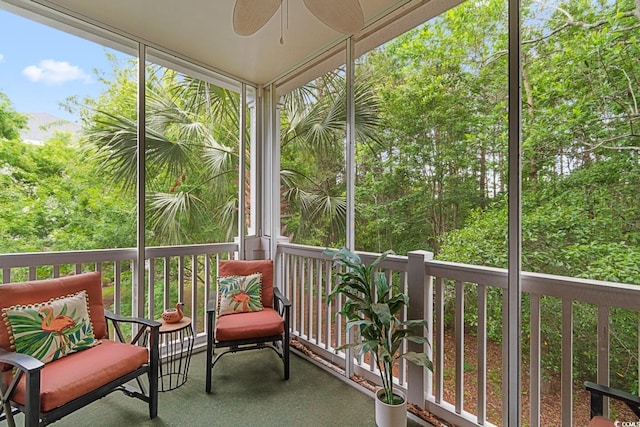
(550, 399)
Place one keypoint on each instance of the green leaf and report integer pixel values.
(419, 359)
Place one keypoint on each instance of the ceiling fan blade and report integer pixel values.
(251, 15)
(345, 16)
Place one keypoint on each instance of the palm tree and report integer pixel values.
(192, 152)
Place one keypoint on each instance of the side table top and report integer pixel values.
(172, 327)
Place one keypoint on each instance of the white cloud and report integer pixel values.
(1, 57)
(53, 72)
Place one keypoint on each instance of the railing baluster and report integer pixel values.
(459, 337)
(151, 288)
(207, 292)
(329, 310)
(318, 286)
(482, 354)
(166, 283)
(117, 288)
(534, 361)
(181, 278)
(294, 300)
(402, 368)
(566, 374)
(194, 292)
(341, 339)
(303, 327)
(309, 287)
(439, 340)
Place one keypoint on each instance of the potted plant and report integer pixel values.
(372, 305)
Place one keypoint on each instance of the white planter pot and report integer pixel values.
(391, 415)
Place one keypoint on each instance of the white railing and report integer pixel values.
(180, 274)
(440, 292)
(445, 290)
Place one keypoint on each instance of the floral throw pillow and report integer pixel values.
(50, 330)
(239, 294)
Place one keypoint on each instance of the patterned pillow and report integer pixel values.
(239, 294)
(50, 330)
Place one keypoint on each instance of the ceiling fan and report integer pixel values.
(344, 16)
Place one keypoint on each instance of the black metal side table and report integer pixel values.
(177, 341)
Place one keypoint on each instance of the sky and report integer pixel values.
(40, 66)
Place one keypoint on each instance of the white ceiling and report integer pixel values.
(200, 31)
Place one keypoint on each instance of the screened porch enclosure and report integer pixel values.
(476, 379)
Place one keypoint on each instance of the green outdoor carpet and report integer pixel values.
(248, 390)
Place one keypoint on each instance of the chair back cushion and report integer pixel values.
(245, 268)
(38, 291)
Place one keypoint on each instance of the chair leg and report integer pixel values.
(285, 351)
(596, 404)
(154, 365)
(209, 351)
(285, 344)
(32, 401)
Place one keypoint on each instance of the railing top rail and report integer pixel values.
(393, 262)
(185, 250)
(599, 292)
(577, 289)
(36, 259)
(480, 275)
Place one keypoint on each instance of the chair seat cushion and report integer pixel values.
(73, 376)
(256, 324)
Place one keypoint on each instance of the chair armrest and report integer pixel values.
(598, 391)
(211, 304)
(24, 362)
(279, 297)
(139, 320)
(152, 326)
(30, 367)
(281, 304)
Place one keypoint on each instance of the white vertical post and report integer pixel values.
(137, 306)
(420, 307)
(350, 171)
(256, 139)
(512, 388)
(350, 145)
(242, 180)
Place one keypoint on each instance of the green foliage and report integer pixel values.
(312, 159)
(55, 199)
(582, 225)
(191, 152)
(11, 122)
(373, 307)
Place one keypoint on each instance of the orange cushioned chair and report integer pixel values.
(246, 313)
(63, 323)
(598, 392)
